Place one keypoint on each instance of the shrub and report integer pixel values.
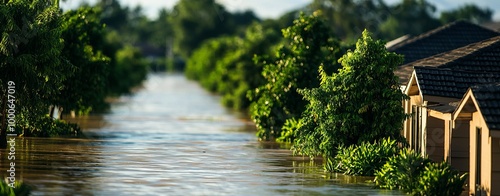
(288, 130)
(417, 175)
(48, 127)
(360, 103)
(225, 65)
(401, 171)
(310, 44)
(364, 159)
(21, 189)
(440, 179)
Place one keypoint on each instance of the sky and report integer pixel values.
(275, 8)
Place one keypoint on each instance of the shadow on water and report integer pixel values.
(173, 138)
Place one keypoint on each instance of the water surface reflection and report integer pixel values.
(173, 138)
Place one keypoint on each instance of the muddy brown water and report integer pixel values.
(172, 138)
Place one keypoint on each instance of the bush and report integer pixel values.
(20, 189)
(225, 65)
(417, 175)
(288, 130)
(364, 159)
(310, 44)
(360, 103)
(48, 127)
(440, 179)
(401, 171)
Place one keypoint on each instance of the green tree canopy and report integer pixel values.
(225, 64)
(30, 57)
(196, 21)
(310, 45)
(468, 12)
(348, 18)
(360, 103)
(83, 36)
(409, 17)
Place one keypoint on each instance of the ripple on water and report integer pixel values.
(172, 138)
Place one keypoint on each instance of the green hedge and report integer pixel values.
(418, 175)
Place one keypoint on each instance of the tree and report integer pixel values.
(30, 57)
(360, 103)
(225, 65)
(112, 13)
(128, 70)
(83, 36)
(409, 17)
(196, 21)
(348, 18)
(310, 45)
(467, 12)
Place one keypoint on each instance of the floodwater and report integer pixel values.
(172, 138)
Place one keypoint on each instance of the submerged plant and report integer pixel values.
(366, 158)
(360, 103)
(417, 175)
(440, 179)
(20, 189)
(401, 171)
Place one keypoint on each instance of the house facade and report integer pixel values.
(447, 126)
(481, 108)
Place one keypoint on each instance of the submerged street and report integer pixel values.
(172, 138)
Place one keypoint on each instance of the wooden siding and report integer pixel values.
(460, 145)
(495, 166)
(435, 139)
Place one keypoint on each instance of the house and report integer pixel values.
(439, 90)
(443, 39)
(481, 107)
(434, 95)
(444, 122)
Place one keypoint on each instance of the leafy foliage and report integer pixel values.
(364, 159)
(30, 57)
(56, 59)
(196, 21)
(225, 65)
(289, 129)
(469, 12)
(349, 18)
(128, 70)
(419, 12)
(83, 41)
(360, 103)
(21, 189)
(310, 45)
(417, 175)
(47, 127)
(440, 179)
(401, 171)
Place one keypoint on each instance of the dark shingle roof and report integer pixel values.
(483, 56)
(488, 99)
(445, 82)
(442, 39)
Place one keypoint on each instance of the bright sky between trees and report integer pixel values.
(275, 8)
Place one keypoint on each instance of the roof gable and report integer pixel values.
(483, 56)
(445, 38)
(488, 100)
(445, 82)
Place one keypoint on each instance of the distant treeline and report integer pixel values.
(233, 61)
(76, 59)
